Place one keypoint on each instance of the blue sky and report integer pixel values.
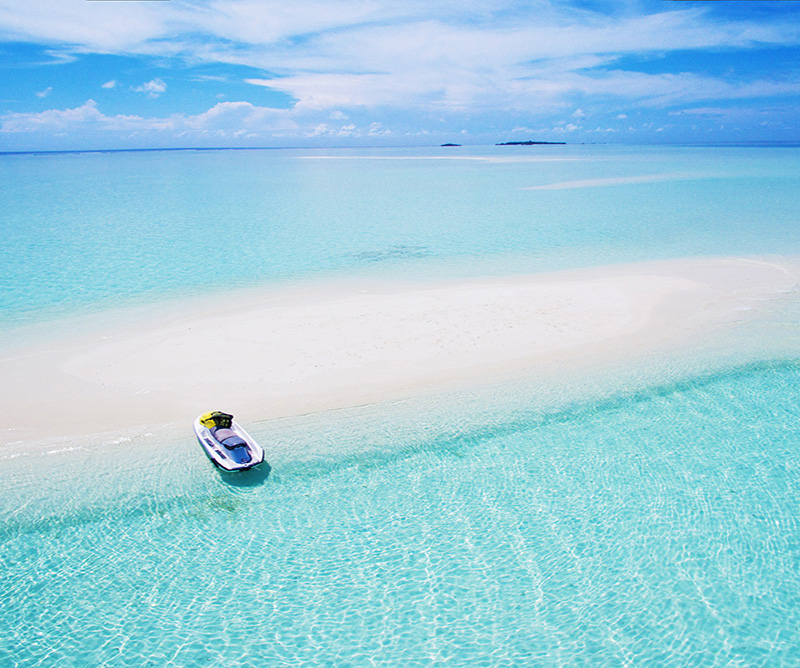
(94, 74)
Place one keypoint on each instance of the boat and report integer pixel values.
(226, 443)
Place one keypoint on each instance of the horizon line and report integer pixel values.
(743, 143)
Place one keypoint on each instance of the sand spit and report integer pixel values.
(616, 181)
(327, 348)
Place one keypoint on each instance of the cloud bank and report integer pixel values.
(492, 57)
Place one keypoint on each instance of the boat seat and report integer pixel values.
(229, 438)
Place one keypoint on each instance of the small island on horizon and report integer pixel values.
(451, 144)
(530, 143)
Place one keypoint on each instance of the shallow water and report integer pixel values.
(644, 515)
(653, 527)
(96, 231)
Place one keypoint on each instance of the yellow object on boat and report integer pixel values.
(216, 419)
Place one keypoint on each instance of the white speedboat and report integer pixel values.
(227, 445)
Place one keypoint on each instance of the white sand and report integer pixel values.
(264, 356)
(615, 181)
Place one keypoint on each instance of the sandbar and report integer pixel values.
(615, 181)
(264, 356)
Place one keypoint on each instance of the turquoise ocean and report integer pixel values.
(642, 515)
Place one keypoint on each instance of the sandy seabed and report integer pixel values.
(276, 354)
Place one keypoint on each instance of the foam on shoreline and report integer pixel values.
(269, 356)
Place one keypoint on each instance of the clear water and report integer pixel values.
(655, 528)
(105, 229)
(645, 519)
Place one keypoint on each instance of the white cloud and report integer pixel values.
(663, 90)
(326, 91)
(109, 84)
(377, 129)
(238, 115)
(52, 120)
(92, 26)
(228, 116)
(439, 57)
(153, 88)
(470, 92)
(224, 119)
(562, 128)
(210, 77)
(749, 115)
(320, 130)
(460, 65)
(45, 92)
(431, 65)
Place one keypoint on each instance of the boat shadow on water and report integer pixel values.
(252, 477)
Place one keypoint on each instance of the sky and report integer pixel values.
(121, 74)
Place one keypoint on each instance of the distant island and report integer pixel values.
(530, 143)
(451, 144)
